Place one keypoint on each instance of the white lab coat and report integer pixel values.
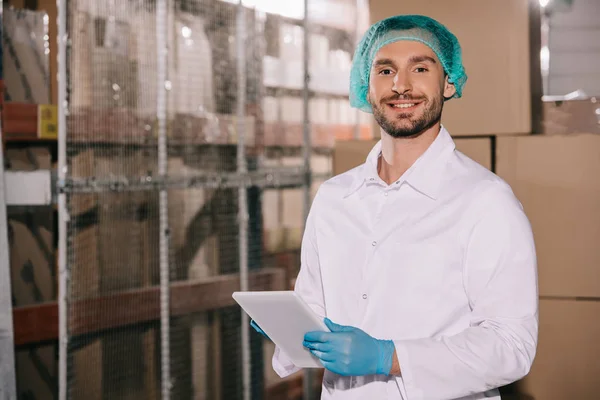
(442, 262)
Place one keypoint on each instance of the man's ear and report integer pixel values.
(449, 88)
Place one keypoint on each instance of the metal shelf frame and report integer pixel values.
(7, 360)
(28, 326)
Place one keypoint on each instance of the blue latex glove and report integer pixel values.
(258, 329)
(349, 351)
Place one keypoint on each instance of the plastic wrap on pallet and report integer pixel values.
(119, 57)
(25, 50)
(329, 68)
(571, 116)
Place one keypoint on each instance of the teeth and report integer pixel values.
(404, 105)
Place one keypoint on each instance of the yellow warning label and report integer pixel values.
(47, 121)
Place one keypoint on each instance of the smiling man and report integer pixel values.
(412, 104)
(421, 261)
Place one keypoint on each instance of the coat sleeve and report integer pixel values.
(308, 285)
(500, 279)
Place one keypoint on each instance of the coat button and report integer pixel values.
(364, 296)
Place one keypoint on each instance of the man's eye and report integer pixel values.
(385, 72)
(421, 69)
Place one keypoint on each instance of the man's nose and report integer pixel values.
(402, 83)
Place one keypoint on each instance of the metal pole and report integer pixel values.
(161, 114)
(306, 152)
(7, 358)
(545, 52)
(307, 142)
(63, 211)
(242, 168)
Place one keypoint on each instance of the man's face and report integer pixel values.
(407, 88)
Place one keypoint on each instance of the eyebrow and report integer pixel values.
(418, 59)
(384, 62)
(413, 60)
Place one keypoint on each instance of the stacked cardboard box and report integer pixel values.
(494, 37)
(555, 178)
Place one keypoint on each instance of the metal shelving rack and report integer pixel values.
(49, 322)
(7, 361)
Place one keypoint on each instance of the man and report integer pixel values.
(421, 260)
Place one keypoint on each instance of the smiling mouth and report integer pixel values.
(406, 105)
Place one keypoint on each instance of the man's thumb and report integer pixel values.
(333, 327)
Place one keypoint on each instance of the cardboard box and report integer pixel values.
(556, 180)
(478, 149)
(567, 363)
(494, 36)
(348, 154)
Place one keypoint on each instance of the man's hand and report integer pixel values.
(349, 351)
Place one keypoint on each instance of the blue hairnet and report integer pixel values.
(404, 27)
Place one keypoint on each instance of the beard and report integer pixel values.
(403, 126)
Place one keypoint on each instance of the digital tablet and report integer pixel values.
(285, 318)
